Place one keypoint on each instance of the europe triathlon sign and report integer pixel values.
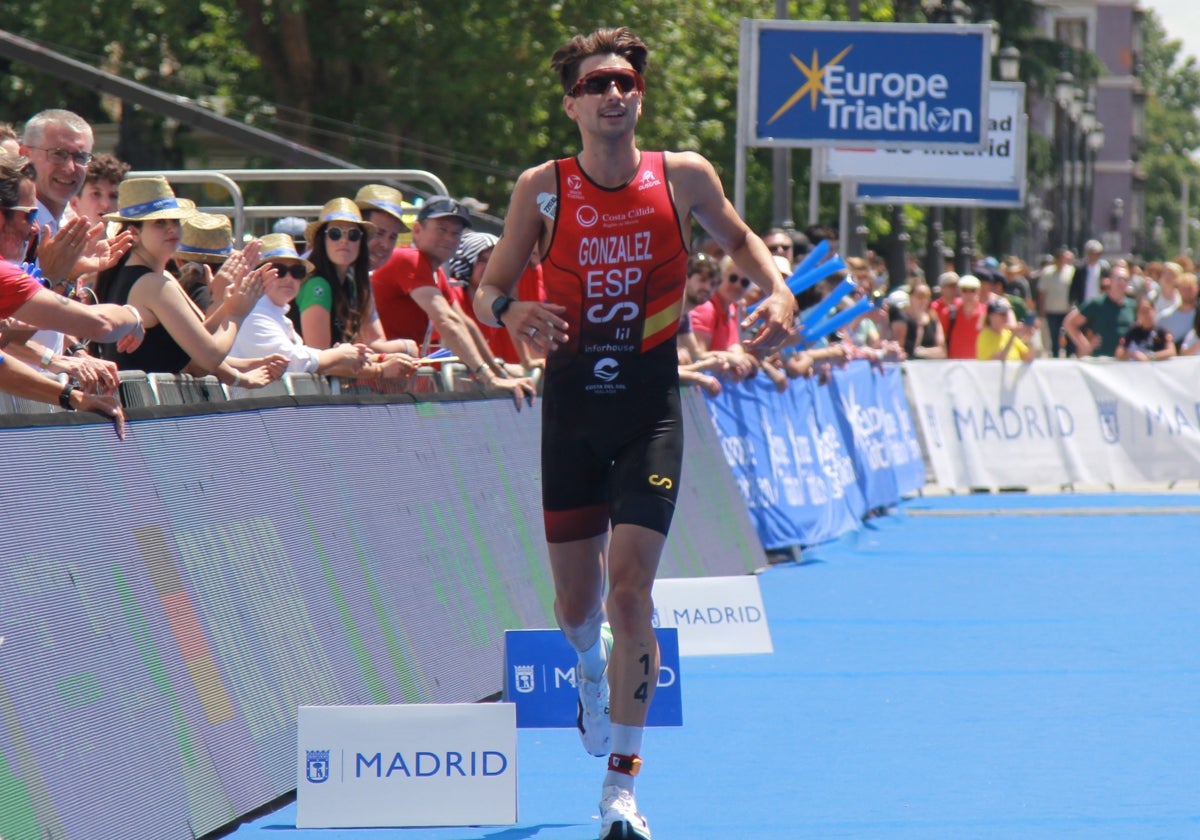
(866, 84)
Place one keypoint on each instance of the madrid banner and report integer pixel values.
(811, 461)
(1055, 422)
(887, 85)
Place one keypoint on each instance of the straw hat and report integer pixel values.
(278, 247)
(206, 238)
(336, 210)
(383, 198)
(146, 199)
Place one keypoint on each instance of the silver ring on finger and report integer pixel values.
(533, 331)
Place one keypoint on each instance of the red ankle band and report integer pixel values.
(630, 765)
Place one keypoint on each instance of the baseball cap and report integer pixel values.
(441, 207)
(968, 281)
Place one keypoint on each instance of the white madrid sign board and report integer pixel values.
(714, 615)
(448, 764)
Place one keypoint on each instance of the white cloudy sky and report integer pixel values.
(1181, 20)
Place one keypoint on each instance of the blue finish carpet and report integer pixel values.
(990, 666)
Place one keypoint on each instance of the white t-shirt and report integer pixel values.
(266, 330)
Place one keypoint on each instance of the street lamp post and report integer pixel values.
(1064, 93)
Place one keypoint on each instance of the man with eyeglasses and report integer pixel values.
(60, 145)
(612, 225)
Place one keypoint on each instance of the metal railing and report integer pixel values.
(230, 180)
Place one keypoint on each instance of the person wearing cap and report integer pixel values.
(467, 267)
(413, 296)
(178, 336)
(267, 330)
(966, 320)
(207, 241)
(383, 207)
(293, 226)
(997, 341)
(1096, 326)
(27, 304)
(612, 225)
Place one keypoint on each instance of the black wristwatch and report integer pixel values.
(499, 307)
(64, 398)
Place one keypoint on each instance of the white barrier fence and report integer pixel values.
(1058, 422)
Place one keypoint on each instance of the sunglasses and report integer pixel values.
(294, 270)
(30, 212)
(599, 81)
(735, 279)
(335, 234)
(780, 246)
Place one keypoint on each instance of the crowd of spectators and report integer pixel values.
(104, 273)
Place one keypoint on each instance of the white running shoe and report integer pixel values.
(619, 817)
(595, 728)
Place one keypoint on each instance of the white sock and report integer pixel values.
(626, 740)
(593, 660)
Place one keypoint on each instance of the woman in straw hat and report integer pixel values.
(267, 329)
(178, 337)
(207, 242)
(334, 304)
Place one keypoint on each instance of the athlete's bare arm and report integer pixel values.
(698, 194)
(539, 325)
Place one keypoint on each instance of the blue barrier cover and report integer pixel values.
(813, 460)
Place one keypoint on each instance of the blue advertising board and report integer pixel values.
(540, 679)
(882, 85)
(811, 461)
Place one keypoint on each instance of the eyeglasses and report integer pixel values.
(599, 81)
(295, 270)
(780, 246)
(30, 212)
(335, 234)
(735, 278)
(62, 156)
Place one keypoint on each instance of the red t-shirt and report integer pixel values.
(17, 288)
(708, 320)
(961, 337)
(392, 285)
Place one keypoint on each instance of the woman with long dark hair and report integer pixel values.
(178, 336)
(334, 305)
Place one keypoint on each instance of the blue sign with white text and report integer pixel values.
(540, 679)
(880, 85)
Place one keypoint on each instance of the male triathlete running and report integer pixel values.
(612, 225)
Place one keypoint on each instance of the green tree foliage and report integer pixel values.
(1172, 133)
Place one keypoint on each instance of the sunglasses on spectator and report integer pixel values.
(599, 81)
(737, 278)
(62, 156)
(30, 212)
(295, 270)
(780, 246)
(335, 234)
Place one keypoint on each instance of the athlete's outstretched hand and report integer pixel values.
(778, 315)
(539, 325)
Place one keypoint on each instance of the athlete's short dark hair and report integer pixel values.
(619, 41)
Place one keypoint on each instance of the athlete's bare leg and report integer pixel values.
(578, 569)
(633, 664)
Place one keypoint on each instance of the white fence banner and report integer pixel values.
(1058, 421)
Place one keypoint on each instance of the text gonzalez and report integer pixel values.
(846, 92)
(615, 278)
(423, 764)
